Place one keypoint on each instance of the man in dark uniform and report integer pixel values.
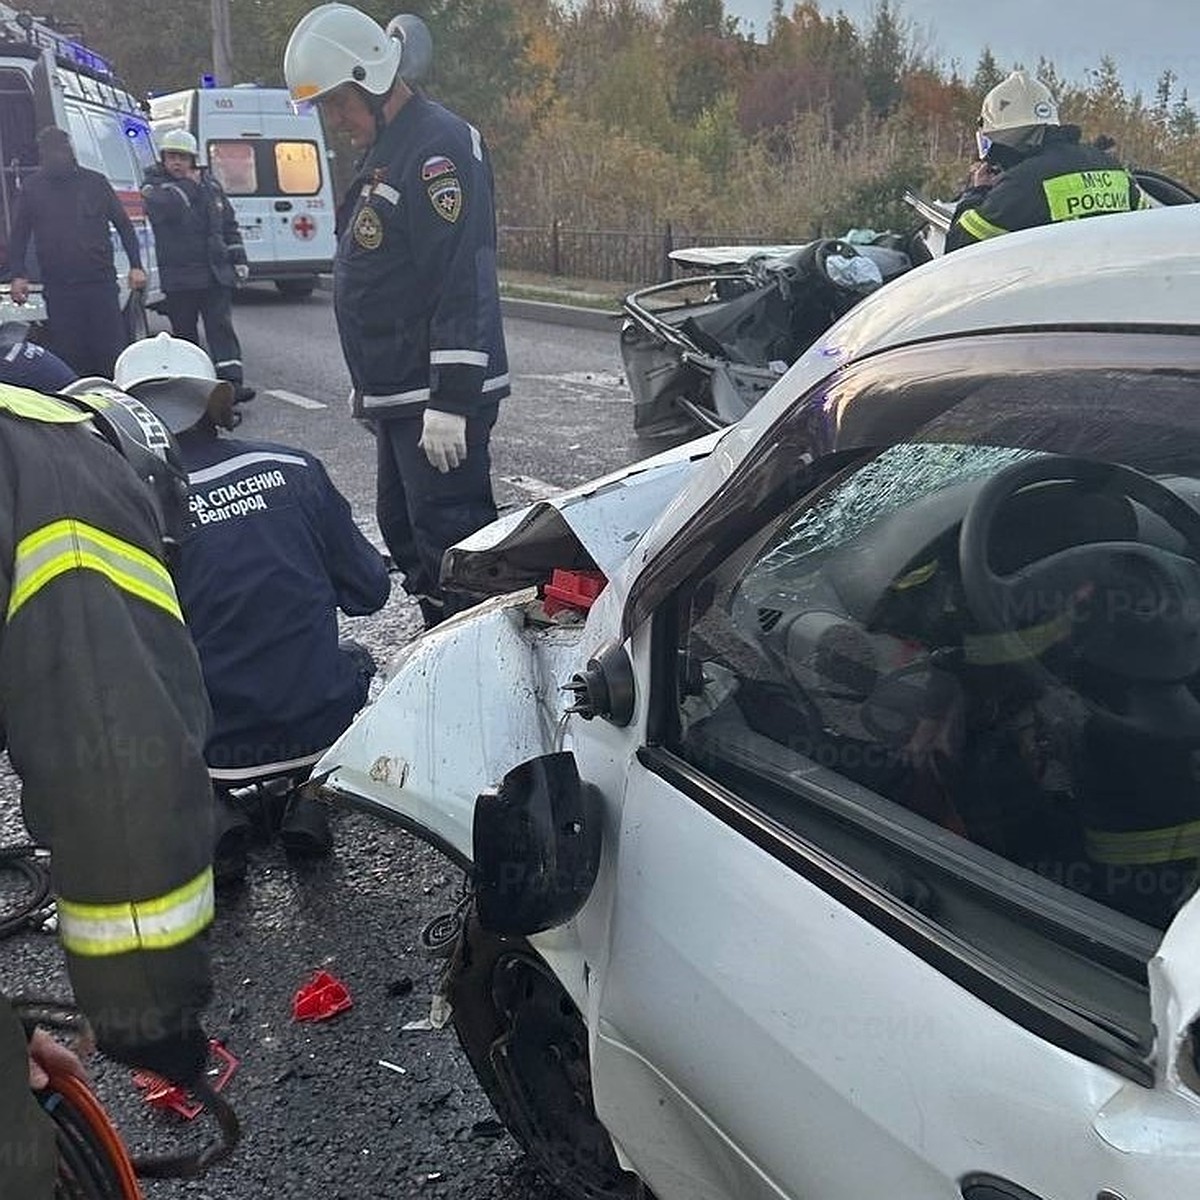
(416, 292)
(103, 710)
(200, 252)
(1034, 171)
(67, 210)
(29, 365)
(273, 555)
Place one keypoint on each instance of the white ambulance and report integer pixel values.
(47, 78)
(273, 165)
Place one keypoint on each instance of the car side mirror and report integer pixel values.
(536, 846)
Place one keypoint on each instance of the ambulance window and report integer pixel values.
(298, 167)
(233, 165)
(140, 142)
(115, 150)
(87, 153)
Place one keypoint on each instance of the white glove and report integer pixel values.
(444, 439)
(242, 272)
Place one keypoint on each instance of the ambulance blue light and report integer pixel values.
(208, 81)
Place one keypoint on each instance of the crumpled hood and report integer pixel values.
(591, 527)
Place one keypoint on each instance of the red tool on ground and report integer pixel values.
(322, 997)
(161, 1094)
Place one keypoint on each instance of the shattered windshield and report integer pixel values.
(1028, 679)
(900, 476)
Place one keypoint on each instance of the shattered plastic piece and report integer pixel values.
(322, 997)
(158, 1093)
(572, 589)
(440, 1012)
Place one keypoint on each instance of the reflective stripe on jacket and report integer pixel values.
(103, 708)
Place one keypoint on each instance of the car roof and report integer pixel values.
(1134, 270)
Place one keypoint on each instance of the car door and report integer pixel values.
(809, 980)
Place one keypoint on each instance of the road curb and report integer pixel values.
(602, 319)
(561, 314)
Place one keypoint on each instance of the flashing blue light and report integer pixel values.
(208, 81)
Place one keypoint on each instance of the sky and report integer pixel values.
(1143, 37)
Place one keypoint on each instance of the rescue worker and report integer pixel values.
(67, 210)
(1034, 171)
(29, 365)
(416, 293)
(103, 710)
(273, 554)
(200, 252)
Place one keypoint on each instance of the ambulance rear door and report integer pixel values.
(272, 164)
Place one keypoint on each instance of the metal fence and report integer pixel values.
(624, 256)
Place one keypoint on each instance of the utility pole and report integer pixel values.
(222, 44)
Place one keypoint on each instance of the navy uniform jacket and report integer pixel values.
(415, 288)
(196, 232)
(1064, 181)
(28, 365)
(273, 555)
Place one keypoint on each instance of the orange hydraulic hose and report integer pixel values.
(76, 1093)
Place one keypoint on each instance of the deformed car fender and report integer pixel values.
(463, 705)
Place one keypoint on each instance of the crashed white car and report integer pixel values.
(858, 859)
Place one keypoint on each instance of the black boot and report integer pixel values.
(231, 833)
(304, 830)
(242, 393)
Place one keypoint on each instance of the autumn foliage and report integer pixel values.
(624, 114)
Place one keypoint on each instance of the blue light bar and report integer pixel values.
(208, 81)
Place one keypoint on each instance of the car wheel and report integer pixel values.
(137, 325)
(528, 1046)
(296, 289)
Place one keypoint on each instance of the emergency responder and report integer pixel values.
(274, 553)
(67, 210)
(416, 293)
(1034, 171)
(29, 365)
(200, 252)
(103, 710)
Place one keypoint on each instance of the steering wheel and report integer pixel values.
(1127, 611)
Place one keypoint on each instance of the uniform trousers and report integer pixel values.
(87, 327)
(422, 512)
(213, 305)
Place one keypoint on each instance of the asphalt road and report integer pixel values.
(322, 1116)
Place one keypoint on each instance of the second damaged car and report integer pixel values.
(858, 856)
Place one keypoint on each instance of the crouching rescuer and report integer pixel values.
(104, 715)
(272, 555)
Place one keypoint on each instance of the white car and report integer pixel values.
(860, 859)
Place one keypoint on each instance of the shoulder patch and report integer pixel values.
(439, 164)
(368, 228)
(447, 198)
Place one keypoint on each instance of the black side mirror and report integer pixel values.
(536, 846)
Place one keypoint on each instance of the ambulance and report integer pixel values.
(273, 164)
(48, 78)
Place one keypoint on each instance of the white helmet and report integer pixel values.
(174, 378)
(1014, 109)
(335, 44)
(180, 141)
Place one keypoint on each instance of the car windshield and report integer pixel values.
(994, 624)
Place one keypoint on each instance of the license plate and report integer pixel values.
(252, 233)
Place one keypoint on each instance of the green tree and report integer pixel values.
(987, 73)
(885, 59)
